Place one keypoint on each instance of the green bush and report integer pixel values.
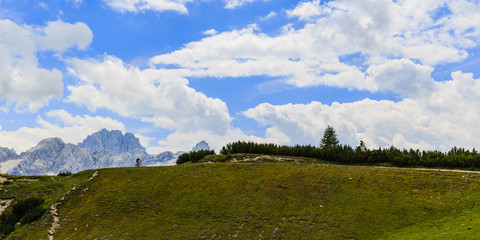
(194, 156)
(7, 182)
(33, 215)
(224, 158)
(23, 211)
(64, 174)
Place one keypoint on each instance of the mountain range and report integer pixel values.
(103, 149)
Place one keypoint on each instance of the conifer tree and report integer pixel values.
(329, 138)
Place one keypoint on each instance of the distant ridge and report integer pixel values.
(52, 156)
(103, 149)
(7, 154)
(113, 141)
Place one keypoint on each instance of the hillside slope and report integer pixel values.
(282, 200)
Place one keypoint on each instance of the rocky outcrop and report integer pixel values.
(107, 159)
(7, 154)
(52, 156)
(201, 146)
(113, 141)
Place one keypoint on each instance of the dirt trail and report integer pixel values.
(54, 210)
(3, 179)
(4, 203)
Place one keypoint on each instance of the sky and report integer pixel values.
(174, 72)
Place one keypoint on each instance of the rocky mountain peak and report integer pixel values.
(7, 154)
(47, 147)
(201, 146)
(52, 156)
(113, 141)
(102, 149)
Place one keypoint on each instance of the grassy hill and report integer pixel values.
(256, 200)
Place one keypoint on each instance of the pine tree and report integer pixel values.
(329, 138)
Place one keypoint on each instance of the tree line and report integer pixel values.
(331, 150)
(194, 156)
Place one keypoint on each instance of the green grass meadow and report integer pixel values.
(268, 200)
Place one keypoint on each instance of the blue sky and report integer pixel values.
(175, 72)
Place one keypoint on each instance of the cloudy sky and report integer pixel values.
(174, 72)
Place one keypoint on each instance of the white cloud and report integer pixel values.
(306, 10)
(59, 36)
(231, 4)
(72, 129)
(144, 5)
(156, 97)
(401, 76)
(441, 119)
(210, 32)
(148, 95)
(185, 141)
(24, 85)
(164, 5)
(272, 14)
(310, 56)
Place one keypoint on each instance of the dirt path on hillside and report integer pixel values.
(54, 210)
(4, 204)
(3, 179)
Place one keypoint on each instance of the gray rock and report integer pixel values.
(107, 159)
(113, 141)
(7, 154)
(201, 146)
(52, 156)
(104, 149)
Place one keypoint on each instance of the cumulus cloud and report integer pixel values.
(157, 97)
(72, 129)
(147, 94)
(314, 54)
(401, 76)
(400, 44)
(59, 36)
(441, 119)
(144, 5)
(24, 85)
(306, 10)
(184, 141)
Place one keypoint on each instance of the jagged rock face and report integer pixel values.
(103, 149)
(107, 159)
(158, 159)
(113, 141)
(7, 154)
(201, 146)
(52, 156)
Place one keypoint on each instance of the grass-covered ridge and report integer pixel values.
(455, 158)
(269, 200)
(15, 191)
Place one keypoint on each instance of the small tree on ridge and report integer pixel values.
(329, 138)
